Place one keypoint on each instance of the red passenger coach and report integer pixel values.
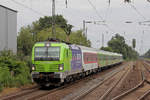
(90, 58)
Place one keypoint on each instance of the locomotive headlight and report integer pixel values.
(61, 67)
(33, 67)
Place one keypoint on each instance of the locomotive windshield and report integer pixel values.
(47, 53)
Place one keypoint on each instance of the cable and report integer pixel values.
(95, 9)
(137, 11)
(106, 25)
(39, 13)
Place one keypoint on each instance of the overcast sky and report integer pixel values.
(115, 16)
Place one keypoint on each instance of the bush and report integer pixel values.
(1, 87)
(13, 71)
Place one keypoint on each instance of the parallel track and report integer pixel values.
(19, 94)
(114, 86)
(35, 90)
(148, 92)
(86, 92)
(142, 89)
(27, 93)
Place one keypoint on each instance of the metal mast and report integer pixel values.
(53, 19)
(102, 40)
(84, 27)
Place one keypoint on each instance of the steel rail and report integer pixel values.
(148, 92)
(141, 84)
(19, 94)
(55, 90)
(144, 95)
(107, 92)
(36, 89)
(132, 89)
(98, 84)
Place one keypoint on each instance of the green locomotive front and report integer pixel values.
(50, 62)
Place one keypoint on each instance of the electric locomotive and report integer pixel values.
(57, 62)
(52, 61)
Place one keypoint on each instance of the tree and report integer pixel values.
(107, 49)
(68, 29)
(46, 22)
(47, 33)
(147, 54)
(41, 30)
(80, 39)
(25, 41)
(117, 44)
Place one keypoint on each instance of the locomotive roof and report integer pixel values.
(86, 48)
(100, 51)
(47, 42)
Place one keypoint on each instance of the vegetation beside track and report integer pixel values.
(13, 71)
(147, 55)
(118, 44)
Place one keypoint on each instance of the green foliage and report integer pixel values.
(13, 72)
(78, 38)
(1, 88)
(25, 41)
(147, 54)
(41, 30)
(117, 44)
(46, 22)
(107, 49)
(46, 33)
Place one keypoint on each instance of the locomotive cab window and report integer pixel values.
(47, 53)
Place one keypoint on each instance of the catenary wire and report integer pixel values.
(133, 7)
(37, 12)
(106, 25)
(95, 10)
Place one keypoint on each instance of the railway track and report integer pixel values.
(114, 85)
(138, 92)
(36, 93)
(20, 93)
(45, 93)
(148, 92)
(86, 91)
